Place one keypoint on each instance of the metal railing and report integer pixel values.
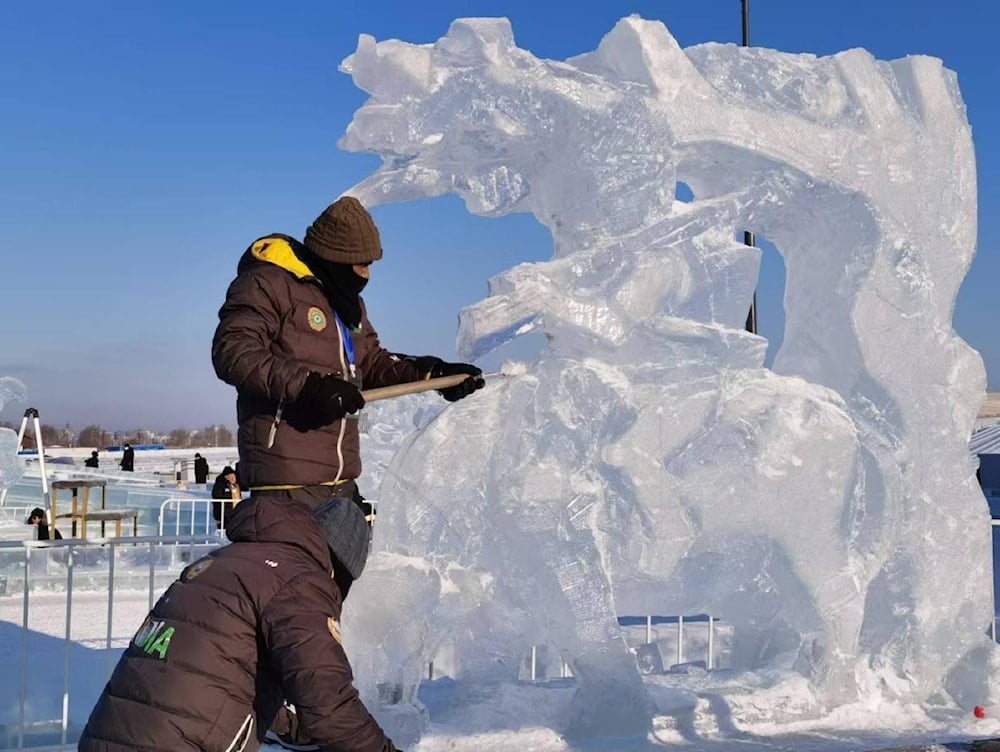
(182, 551)
(710, 622)
(165, 555)
(177, 505)
(18, 513)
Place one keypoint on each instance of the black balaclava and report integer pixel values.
(340, 283)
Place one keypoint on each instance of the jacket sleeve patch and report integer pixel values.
(196, 568)
(153, 638)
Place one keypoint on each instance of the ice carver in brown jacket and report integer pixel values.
(295, 340)
(244, 628)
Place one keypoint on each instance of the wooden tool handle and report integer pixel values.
(413, 387)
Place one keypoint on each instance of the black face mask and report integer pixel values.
(340, 283)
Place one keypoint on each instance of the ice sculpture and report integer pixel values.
(11, 468)
(649, 463)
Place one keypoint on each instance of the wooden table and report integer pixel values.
(80, 491)
(117, 515)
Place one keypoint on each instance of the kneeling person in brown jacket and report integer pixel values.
(251, 625)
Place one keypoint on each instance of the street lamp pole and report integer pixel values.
(748, 238)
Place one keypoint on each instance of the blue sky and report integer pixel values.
(143, 146)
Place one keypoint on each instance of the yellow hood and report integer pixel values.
(278, 251)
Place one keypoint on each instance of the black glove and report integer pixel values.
(435, 368)
(326, 399)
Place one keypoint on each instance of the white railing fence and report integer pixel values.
(49, 571)
(195, 514)
(16, 513)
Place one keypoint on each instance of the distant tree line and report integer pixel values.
(51, 436)
(98, 437)
(210, 436)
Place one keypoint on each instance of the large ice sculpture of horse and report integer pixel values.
(649, 463)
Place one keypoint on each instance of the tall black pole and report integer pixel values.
(748, 238)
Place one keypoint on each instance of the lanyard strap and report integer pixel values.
(345, 335)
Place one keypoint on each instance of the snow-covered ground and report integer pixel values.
(151, 465)
(695, 711)
(55, 666)
(696, 708)
(716, 711)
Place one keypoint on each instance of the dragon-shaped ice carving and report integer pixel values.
(649, 463)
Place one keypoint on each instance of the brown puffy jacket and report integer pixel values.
(251, 624)
(274, 328)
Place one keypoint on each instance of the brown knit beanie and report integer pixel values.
(345, 233)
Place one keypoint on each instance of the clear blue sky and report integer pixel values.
(143, 145)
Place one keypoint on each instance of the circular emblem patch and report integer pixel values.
(317, 319)
(197, 568)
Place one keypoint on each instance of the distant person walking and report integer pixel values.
(92, 460)
(37, 518)
(128, 459)
(200, 468)
(226, 486)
